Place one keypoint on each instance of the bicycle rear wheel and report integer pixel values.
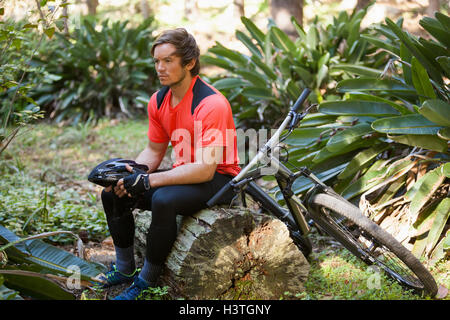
(369, 242)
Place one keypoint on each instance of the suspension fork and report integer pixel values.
(285, 179)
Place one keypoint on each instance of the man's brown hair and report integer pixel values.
(185, 44)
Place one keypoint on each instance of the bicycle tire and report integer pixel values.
(361, 226)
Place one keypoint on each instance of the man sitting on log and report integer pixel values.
(197, 120)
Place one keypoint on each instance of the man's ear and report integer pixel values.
(191, 64)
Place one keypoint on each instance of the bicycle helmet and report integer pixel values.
(109, 172)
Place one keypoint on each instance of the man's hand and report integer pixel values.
(133, 185)
(136, 183)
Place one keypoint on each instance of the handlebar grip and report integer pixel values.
(301, 99)
(212, 202)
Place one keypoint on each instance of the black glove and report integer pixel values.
(137, 182)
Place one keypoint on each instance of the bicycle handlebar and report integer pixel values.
(301, 99)
(212, 202)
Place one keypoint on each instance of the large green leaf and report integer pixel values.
(232, 55)
(35, 285)
(368, 97)
(39, 253)
(430, 142)
(316, 119)
(348, 136)
(424, 188)
(443, 19)
(229, 83)
(373, 84)
(444, 133)
(412, 45)
(357, 69)
(254, 77)
(442, 215)
(444, 62)
(248, 43)
(256, 33)
(421, 81)
(375, 175)
(282, 41)
(406, 57)
(437, 111)
(258, 93)
(362, 159)
(436, 29)
(220, 62)
(304, 136)
(407, 124)
(381, 44)
(325, 154)
(355, 107)
(264, 67)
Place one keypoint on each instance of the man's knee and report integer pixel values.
(163, 207)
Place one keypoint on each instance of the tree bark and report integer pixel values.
(145, 9)
(239, 7)
(229, 254)
(282, 10)
(361, 4)
(92, 7)
(433, 6)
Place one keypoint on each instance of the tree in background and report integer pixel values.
(239, 7)
(92, 6)
(281, 12)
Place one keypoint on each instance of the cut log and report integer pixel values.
(229, 253)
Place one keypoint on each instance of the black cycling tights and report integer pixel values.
(165, 203)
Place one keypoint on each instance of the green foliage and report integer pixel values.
(17, 108)
(19, 42)
(31, 206)
(386, 126)
(262, 86)
(100, 69)
(31, 266)
(337, 274)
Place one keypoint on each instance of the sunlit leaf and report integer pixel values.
(406, 124)
(355, 107)
(430, 142)
(362, 159)
(437, 111)
(424, 188)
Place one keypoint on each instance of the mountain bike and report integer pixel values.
(322, 207)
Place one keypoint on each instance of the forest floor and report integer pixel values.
(60, 158)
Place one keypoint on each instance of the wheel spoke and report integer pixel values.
(373, 251)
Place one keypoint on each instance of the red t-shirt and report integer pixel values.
(202, 118)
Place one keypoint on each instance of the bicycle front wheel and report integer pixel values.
(369, 242)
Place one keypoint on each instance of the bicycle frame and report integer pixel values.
(283, 175)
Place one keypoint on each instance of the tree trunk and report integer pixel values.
(239, 7)
(433, 6)
(145, 9)
(229, 254)
(92, 7)
(361, 4)
(65, 13)
(282, 10)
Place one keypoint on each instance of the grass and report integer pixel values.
(337, 274)
(44, 188)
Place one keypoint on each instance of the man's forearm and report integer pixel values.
(189, 173)
(150, 158)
